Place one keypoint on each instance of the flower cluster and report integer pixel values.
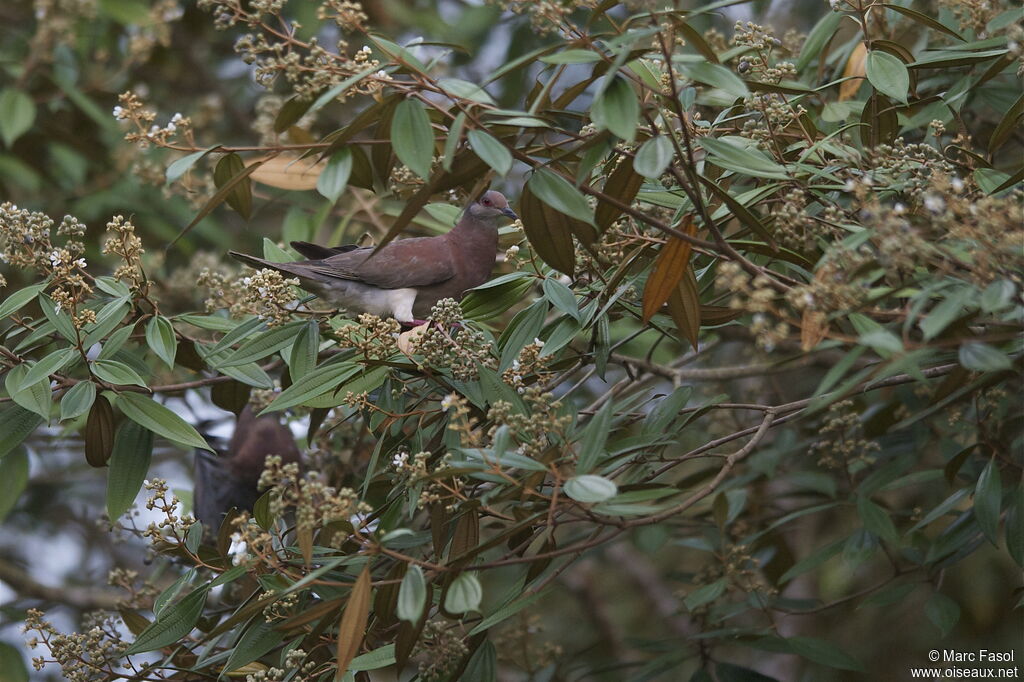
(462, 349)
(315, 503)
(439, 650)
(267, 294)
(376, 338)
(126, 245)
(841, 443)
(95, 653)
(172, 525)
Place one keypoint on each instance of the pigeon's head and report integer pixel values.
(491, 206)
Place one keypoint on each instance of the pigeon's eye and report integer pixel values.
(487, 202)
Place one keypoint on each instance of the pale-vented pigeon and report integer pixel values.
(408, 276)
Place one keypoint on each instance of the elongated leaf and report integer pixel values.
(668, 271)
(888, 74)
(155, 417)
(732, 155)
(17, 114)
(13, 479)
(117, 373)
(684, 307)
(590, 489)
(129, 462)
(464, 594)
(218, 198)
(18, 423)
(717, 76)
(559, 194)
(316, 383)
(412, 137)
(161, 339)
(548, 231)
(988, 498)
(353, 622)
(239, 196)
(491, 151)
(77, 400)
(411, 595)
(653, 157)
(52, 363)
(594, 437)
(617, 108)
(335, 176)
(17, 300)
(173, 624)
(623, 185)
(259, 347)
(259, 638)
(181, 166)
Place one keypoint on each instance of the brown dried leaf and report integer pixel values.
(668, 270)
(289, 171)
(466, 535)
(623, 184)
(407, 340)
(99, 432)
(813, 328)
(353, 622)
(856, 66)
(305, 539)
(549, 232)
(684, 307)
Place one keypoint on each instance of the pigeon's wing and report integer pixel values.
(417, 262)
(317, 252)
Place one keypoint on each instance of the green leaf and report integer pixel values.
(561, 297)
(572, 57)
(616, 108)
(52, 363)
(259, 347)
(590, 489)
(825, 653)
(717, 76)
(483, 666)
(13, 479)
(18, 424)
(464, 594)
(943, 612)
(704, 594)
(505, 612)
(117, 373)
(653, 157)
(888, 74)
(522, 330)
(877, 520)
(305, 348)
(257, 639)
(412, 137)
(451, 143)
(412, 594)
(818, 38)
(173, 624)
(58, 318)
(231, 172)
(77, 400)
(129, 462)
(182, 165)
(334, 178)
(381, 657)
(161, 340)
(981, 357)
(734, 155)
(594, 437)
(559, 194)
(19, 299)
(17, 113)
(988, 499)
(465, 90)
(152, 415)
(491, 151)
(325, 378)
(35, 396)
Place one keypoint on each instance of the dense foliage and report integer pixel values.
(743, 393)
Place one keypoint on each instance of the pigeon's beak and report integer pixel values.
(510, 213)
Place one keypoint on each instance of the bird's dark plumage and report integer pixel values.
(405, 278)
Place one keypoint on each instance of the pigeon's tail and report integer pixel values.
(293, 269)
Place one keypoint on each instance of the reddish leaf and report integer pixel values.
(353, 622)
(668, 270)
